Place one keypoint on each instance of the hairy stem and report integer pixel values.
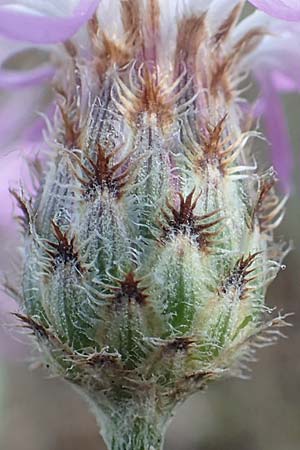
(131, 425)
(139, 435)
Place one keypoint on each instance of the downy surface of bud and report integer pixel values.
(149, 243)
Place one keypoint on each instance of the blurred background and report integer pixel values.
(261, 413)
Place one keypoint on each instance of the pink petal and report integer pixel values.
(284, 83)
(36, 28)
(14, 78)
(282, 9)
(10, 50)
(18, 112)
(277, 133)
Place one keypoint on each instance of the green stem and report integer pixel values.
(130, 425)
(139, 435)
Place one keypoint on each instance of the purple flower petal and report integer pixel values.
(277, 132)
(276, 66)
(14, 78)
(284, 83)
(11, 50)
(18, 113)
(36, 28)
(282, 9)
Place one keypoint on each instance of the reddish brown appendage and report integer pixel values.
(184, 221)
(212, 147)
(227, 26)
(180, 344)
(149, 98)
(24, 219)
(64, 249)
(239, 277)
(104, 174)
(267, 208)
(129, 290)
(109, 53)
(38, 330)
(191, 33)
(71, 131)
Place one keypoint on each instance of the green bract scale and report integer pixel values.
(149, 243)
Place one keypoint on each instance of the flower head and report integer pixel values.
(149, 239)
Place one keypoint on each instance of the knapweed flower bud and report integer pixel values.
(149, 244)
